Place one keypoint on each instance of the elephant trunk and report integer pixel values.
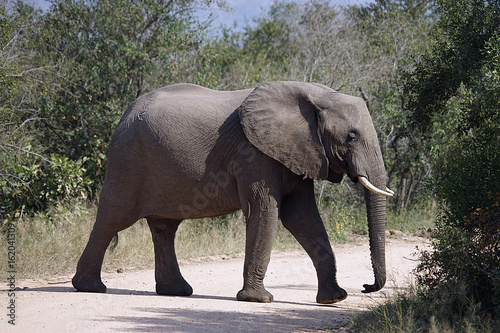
(375, 207)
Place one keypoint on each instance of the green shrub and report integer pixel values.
(461, 77)
(468, 257)
(416, 310)
(342, 208)
(467, 244)
(42, 184)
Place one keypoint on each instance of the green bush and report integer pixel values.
(468, 257)
(467, 244)
(43, 184)
(460, 77)
(412, 311)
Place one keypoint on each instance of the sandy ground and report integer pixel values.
(130, 305)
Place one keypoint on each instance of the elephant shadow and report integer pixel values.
(117, 291)
(70, 289)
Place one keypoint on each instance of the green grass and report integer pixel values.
(414, 310)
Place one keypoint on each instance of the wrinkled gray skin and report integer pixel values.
(185, 152)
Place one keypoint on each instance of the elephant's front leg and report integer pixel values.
(300, 216)
(262, 224)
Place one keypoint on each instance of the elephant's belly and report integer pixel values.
(201, 199)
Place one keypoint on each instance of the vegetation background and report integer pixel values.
(429, 72)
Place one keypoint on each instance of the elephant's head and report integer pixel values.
(322, 134)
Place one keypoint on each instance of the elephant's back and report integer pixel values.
(183, 103)
(177, 127)
(178, 112)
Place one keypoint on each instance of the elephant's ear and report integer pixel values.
(280, 119)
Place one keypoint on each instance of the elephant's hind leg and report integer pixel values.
(109, 221)
(169, 280)
(88, 271)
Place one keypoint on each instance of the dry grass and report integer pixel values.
(52, 242)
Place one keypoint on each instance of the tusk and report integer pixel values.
(389, 190)
(375, 190)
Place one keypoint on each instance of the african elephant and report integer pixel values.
(187, 152)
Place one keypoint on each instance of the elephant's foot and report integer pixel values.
(86, 284)
(251, 295)
(331, 295)
(180, 288)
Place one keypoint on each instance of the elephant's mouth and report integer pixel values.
(363, 179)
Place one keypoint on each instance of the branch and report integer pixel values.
(25, 151)
(29, 71)
(22, 124)
(365, 98)
(8, 175)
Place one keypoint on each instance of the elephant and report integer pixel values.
(187, 152)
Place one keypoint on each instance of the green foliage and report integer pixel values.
(43, 184)
(445, 311)
(68, 74)
(111, 50)
(467, 245)
(459, 80)
(20, 80)
(396, 34)
(6, 27)
(458, 57)
(263, 52)
(342, 210)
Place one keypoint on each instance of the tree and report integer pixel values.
(23, 81)
(68, 74)
(396, 33)
(111, 51)
(460, 78)
(264, 52)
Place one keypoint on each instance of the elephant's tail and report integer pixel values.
(114, 243)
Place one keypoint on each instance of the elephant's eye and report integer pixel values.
(351, 137)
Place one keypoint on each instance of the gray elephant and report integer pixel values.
(187, 152)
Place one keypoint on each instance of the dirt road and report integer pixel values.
(130, 305)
